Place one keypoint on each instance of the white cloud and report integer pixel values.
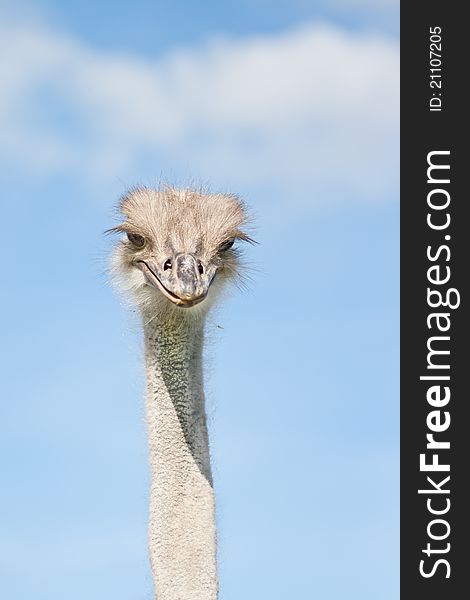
(315, 107)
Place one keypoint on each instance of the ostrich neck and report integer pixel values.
(182, 539)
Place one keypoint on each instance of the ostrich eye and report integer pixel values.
(136, 240)
(226, 245)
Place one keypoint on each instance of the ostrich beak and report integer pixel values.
(185, 282)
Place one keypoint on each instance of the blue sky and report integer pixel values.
(293, 105)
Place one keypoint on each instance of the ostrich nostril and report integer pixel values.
(167, 264)
(200, 267)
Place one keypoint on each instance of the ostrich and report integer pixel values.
(175, 256)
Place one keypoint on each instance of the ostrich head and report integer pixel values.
(179, 246)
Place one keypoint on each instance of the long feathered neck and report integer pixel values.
(182, 537)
